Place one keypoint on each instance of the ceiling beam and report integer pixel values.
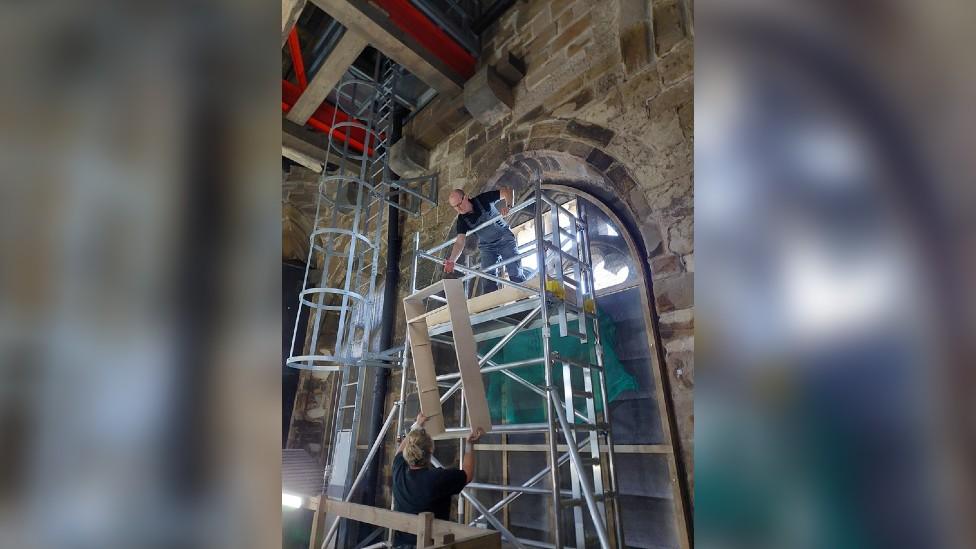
(344, 54)
(308, 148)
(290, 11)
(373, 25)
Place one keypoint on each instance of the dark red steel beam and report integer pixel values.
(322, 119)
(296, 58)
(412, 21)
(325, 128)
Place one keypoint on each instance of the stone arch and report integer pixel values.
(586, 167)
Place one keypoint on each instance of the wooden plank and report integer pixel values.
(487, 540)
(424, 370)
(318, 525)
(464, 347)
(290, 11)
(505, 480)
(300, 158)
(403, 522)
(344, 54)
(419, 295)
(618, 448)
(425, 530)
(372, 25)
(312, 145)
(481, 303)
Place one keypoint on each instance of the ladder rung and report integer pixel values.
(350, 384)
(584, 394)
(566, 257)
(581, 501)
(591, 461)
(577, 311)
(345, 407)
(589, 427)
(556, 357)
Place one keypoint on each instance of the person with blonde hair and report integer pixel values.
(418, 487)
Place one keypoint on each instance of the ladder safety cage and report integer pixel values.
(339, 290)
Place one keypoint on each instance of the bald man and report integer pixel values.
(495, 241)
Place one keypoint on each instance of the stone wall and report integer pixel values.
(298, 195)
(605, 105)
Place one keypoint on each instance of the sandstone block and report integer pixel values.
(511, 68)
(681, 237)
(635, 46)
(665, 266)
(599, 160)
(408, 158)
(591, 132)
(678, 64)
(669, 25)
(675, 293)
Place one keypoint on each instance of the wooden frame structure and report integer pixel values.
(430, 532)
(472, 385)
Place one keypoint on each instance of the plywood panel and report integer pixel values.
(424, 371)
(464, 346)
(481, 303)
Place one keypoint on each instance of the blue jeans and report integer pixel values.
(498, 250)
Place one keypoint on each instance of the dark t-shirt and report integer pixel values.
(480, 204)
(418, 490)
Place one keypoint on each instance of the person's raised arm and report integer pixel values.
(455, 253)
(417, 424)
(468, 464)
(508, 195)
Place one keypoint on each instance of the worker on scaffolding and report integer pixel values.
(418, 487)
(495, 241)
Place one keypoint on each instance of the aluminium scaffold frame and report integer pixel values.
(569, 303)
(583, 433)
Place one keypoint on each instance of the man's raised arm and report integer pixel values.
(508, 195)
(455, 253)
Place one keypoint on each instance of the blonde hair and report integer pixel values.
(418, 448)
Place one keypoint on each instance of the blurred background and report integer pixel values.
(139, 279)
(139, 276)
(834, 161)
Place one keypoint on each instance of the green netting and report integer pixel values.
(511, 402)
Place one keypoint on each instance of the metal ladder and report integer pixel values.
(582, 432)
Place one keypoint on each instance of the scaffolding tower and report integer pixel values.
(565, 299)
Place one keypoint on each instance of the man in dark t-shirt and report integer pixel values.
(495, 241)
(418, 487)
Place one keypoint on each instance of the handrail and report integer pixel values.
(518, 208)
